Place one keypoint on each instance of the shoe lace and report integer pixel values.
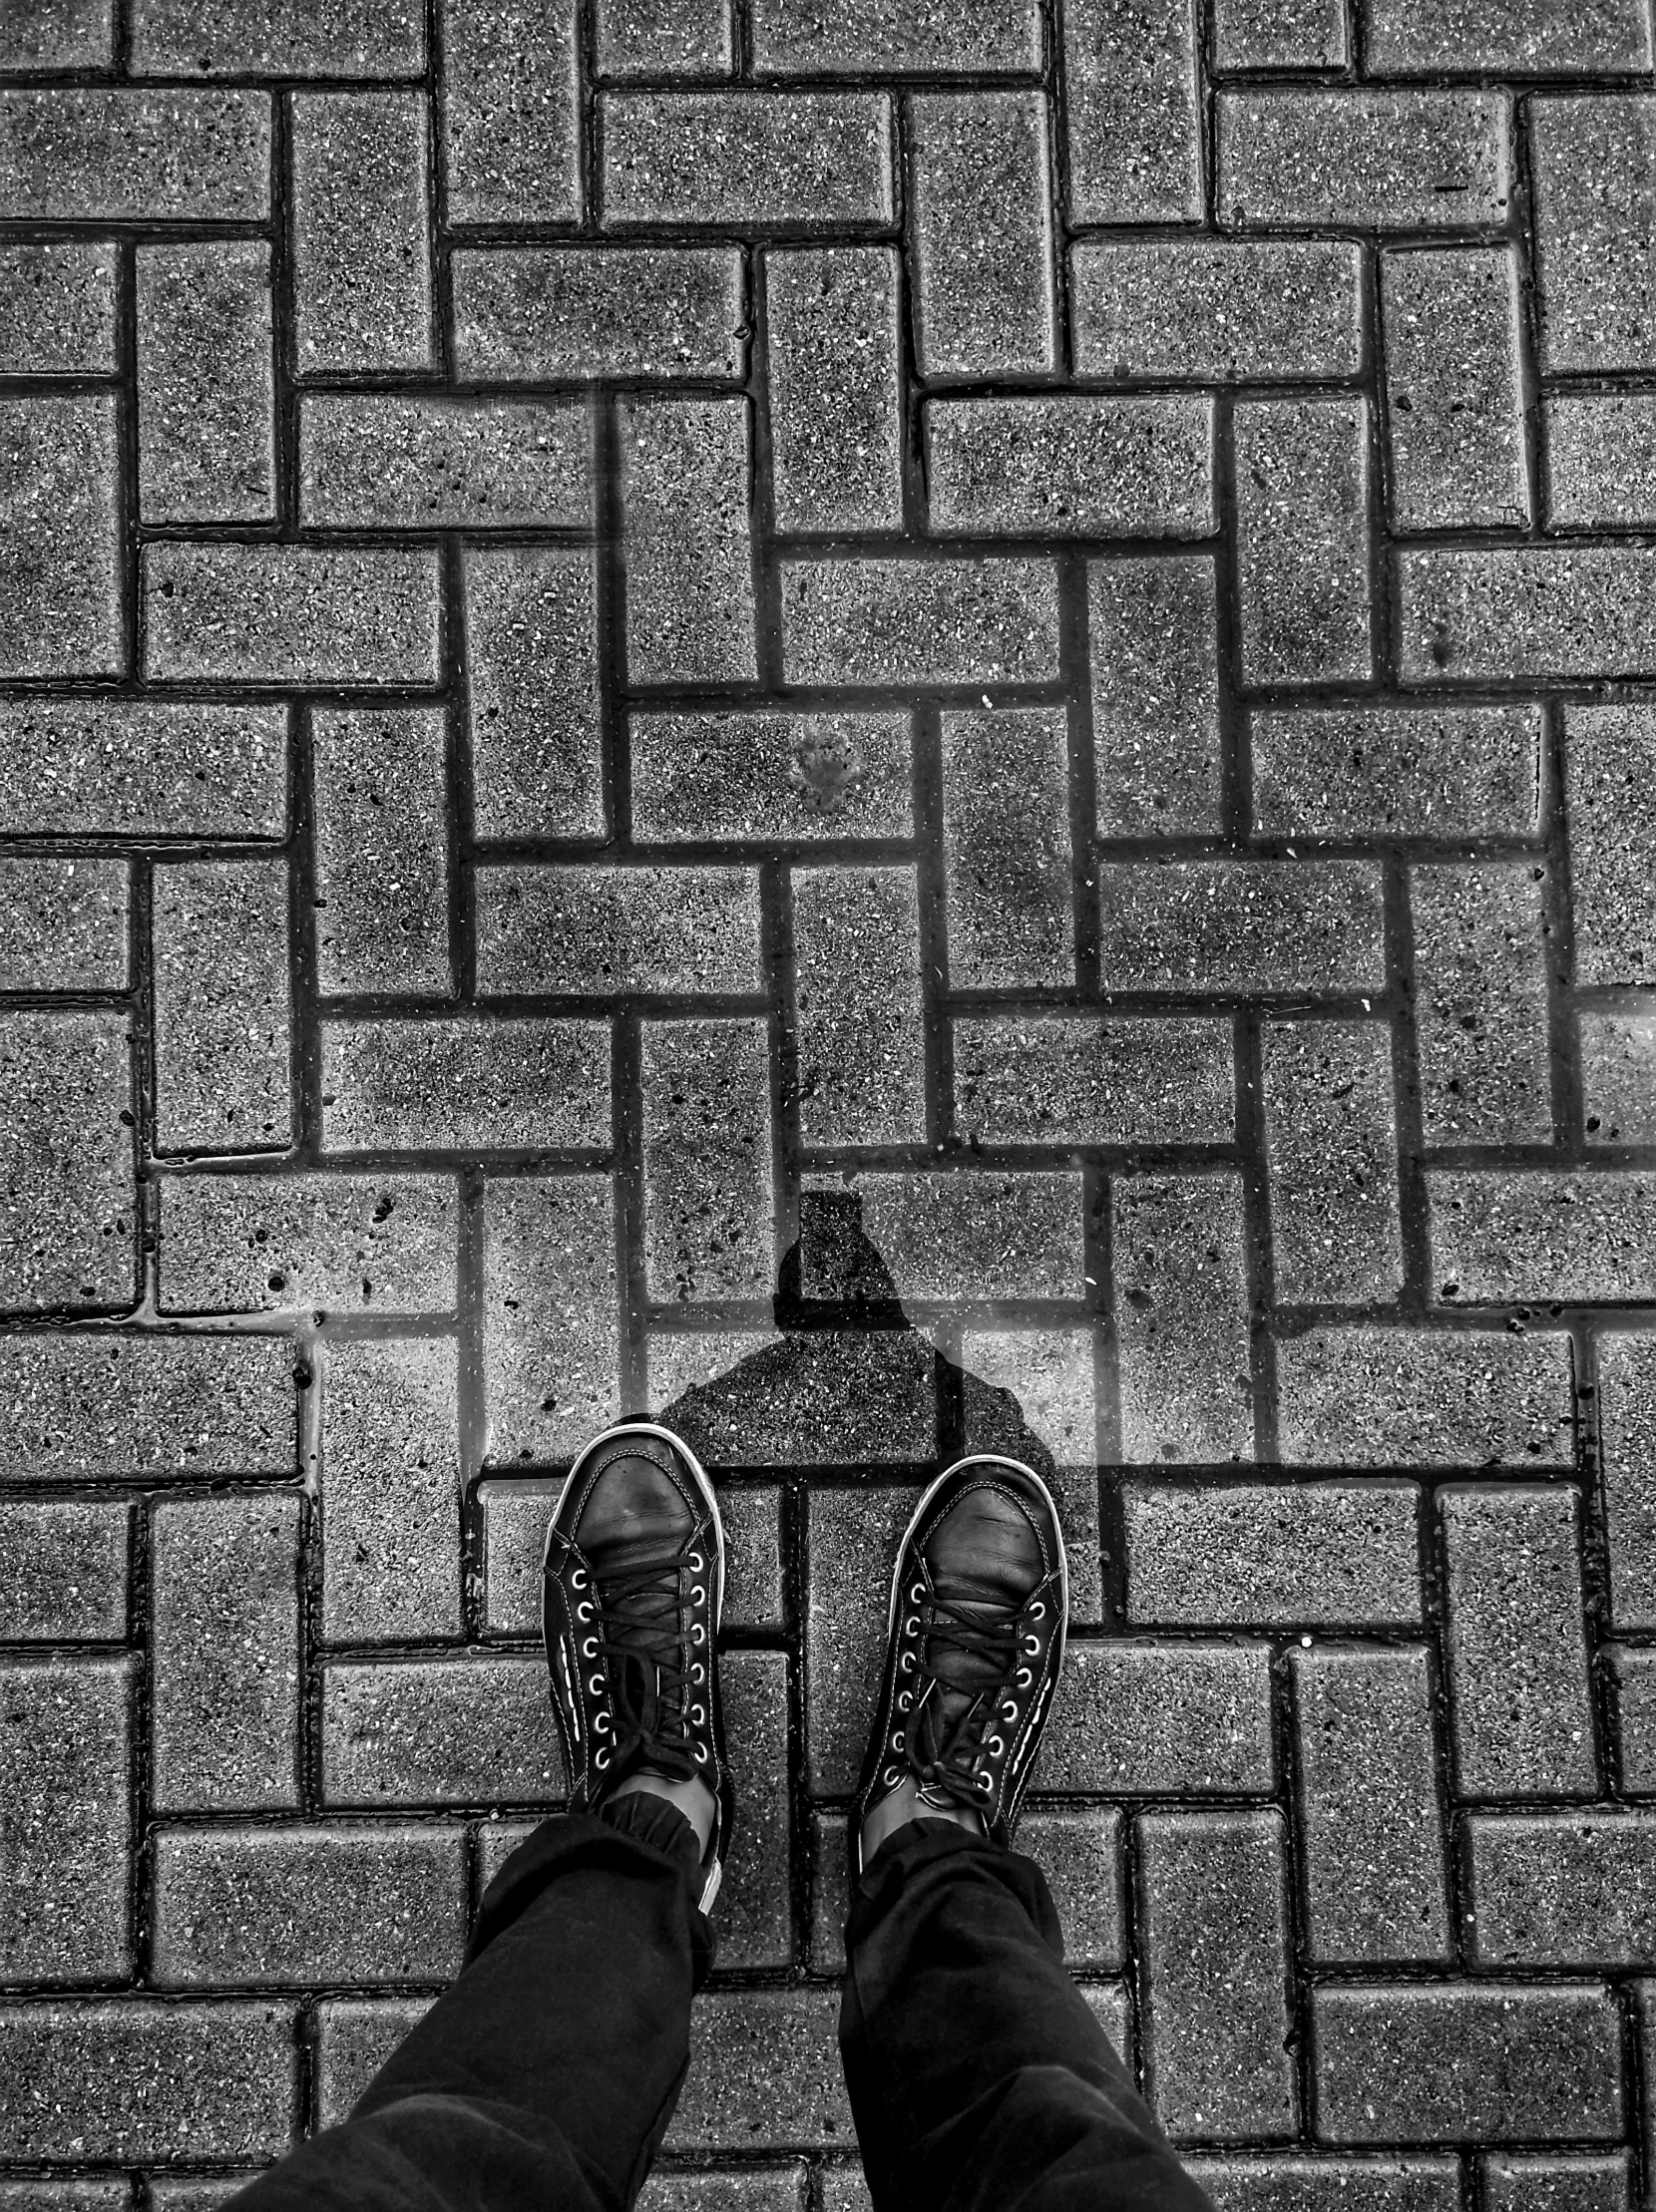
(644, 1647)
(964, 1639)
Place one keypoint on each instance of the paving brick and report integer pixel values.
(1302, 540)
(1279, 34)
(275, 37)
(602, 930)
(1609, 772)
(647, 38)
(381, 892)
(1152, 1720)
(1364, 160)
(60, 585)
(1007, 859)
(254, 1242)
(852, 1540)
(1459, 2062)
(66, 1160)
(355, 2036)
(1387, 1397)
(390, 1491)
(842, 37)
(1539, 1236)
(219, 2076)
(709, 1229)
(80, 2196)
(1244, 927)
(533, 708)
(1373, 1838)
(133, 768)
(1627, 1459)
(1155, 705)
(1600, 459)
(57, 307)
(464, 1085)
(690, 563)
(1252, 1554)
(1563, 1889)
(205, 433)
(466, 1731)
(748, 159)
(1211, 1904)
(1177, 1248)
(1454, 415)
(1331, 1150)
(550, 1327)
(59, 34)
(745, 2189)
(1289, 2184)
(1216, 310)
(1029, 1393)
(1633, 1681)
(218, 938)
(981, 232)
(361, 253)
(1082, 1079)
(1561, 2184)
(65, 1821)
(920, 622)
(528, 314)
(1525, 612)
(806, 779)
(1437, 771)
(374, 461)
(1072, 466)
(63, 1571)
(224, 1654)
(836, 424)
(63, 924)
(1134, 126)
(265, 1907)
(511, 148)
(1594, 202)
(296, 614)
(822, 1397)
(764, 2073)
(976, 1233)
(123, 1404)
(1506, 37)
(856, 941)
(1480, 1002)
(156, 154)
(755, 1902)
(1517, 1647)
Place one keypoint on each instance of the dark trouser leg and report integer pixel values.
(544, 2078)
(980, 2081)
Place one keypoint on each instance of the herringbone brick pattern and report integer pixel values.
(781, 712)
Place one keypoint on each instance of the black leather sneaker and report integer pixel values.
(979, 1603)
(633, 1589)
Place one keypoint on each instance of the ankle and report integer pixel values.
(904, 1804)
(692, 1798)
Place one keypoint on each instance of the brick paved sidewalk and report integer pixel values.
(689, 703)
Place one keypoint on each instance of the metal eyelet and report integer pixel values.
(908, 1663)
(905, 1700)
(600, 1759)
(912, 1626)
(1022, 1677)
(698, 1634)
(893, 1774)
(699, 1673)
(695, 1563)
(589, 1649)
(986, 1782)
(594, 1688)
(701, 1755)
(897, 1739)
(1032, 1645)
(917, 1595)
(698, 1595)
(600, 1725)
(578, 1580)
(1037, 1612)
(696, 1714)
(996, 1746)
